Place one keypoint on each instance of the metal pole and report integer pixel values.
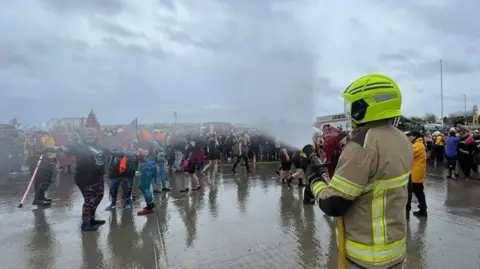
(441, 90)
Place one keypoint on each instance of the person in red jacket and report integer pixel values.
(332, 147)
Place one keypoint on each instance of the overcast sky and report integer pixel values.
(229, 59)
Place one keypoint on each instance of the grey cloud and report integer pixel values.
(114, 28)
(169, 4)
(459, 18)
(88, 7)
(133, 50)
(393, 57)
(453, 67)
(402, 56)
(422, 68)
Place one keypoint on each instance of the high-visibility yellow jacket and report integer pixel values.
(369, 189)
(439, 141)
(48, 141)
(419, 167)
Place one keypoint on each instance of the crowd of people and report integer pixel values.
(457, 145)
(364, 178)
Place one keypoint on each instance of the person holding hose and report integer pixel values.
(369, 189)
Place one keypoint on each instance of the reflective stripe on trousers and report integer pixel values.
(376, 254)
(380, 252)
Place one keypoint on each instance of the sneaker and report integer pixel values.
(196, 189)
(41, 203)
(157, 191)
(128, 206)
(112, 206)
(184, 190)
(145, 211)
(166, 189)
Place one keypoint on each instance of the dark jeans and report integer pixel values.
(451, 164)
(43, 179)
(466, 163)
(417, 189)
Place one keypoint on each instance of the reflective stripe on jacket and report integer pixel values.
(373, 172)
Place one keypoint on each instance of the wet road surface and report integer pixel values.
(236, 222)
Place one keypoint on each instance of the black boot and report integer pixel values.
(87, 226)
(420, 213)
(96, 222)
(300, 182)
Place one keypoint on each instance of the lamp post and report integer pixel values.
(441, 90)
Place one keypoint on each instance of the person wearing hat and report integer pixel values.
(369, 187)
(417, 176)
(451, 152)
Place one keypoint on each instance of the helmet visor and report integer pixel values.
(347, 109)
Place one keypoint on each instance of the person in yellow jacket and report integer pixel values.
(47, 140)
(439, 148)
(417, 177)
(369, 186)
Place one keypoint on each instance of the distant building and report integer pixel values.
(338, 120)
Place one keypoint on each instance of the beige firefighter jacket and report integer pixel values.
(373, 172)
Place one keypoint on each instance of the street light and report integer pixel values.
(441, 90)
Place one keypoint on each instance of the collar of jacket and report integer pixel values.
(417, 139)
(369, 125)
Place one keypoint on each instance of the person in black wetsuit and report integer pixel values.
(90, 168)
(286, 165)
(213, 154)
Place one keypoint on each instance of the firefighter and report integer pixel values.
(369, 186)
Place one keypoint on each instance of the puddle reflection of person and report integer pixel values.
(91, 253)
(122, 239)
(42, 241)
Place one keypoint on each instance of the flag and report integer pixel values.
(129, 133)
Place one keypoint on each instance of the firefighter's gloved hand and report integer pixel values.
(318, 179)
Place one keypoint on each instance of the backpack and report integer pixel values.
(161, 157)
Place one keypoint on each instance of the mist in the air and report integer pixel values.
(244, 62)
(266, 70)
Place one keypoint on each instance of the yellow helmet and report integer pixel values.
(372, 97)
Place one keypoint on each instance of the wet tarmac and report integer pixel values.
(235, 222)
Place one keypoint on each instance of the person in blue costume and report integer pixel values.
(123, 179)
(161, 182)
(147, 154)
